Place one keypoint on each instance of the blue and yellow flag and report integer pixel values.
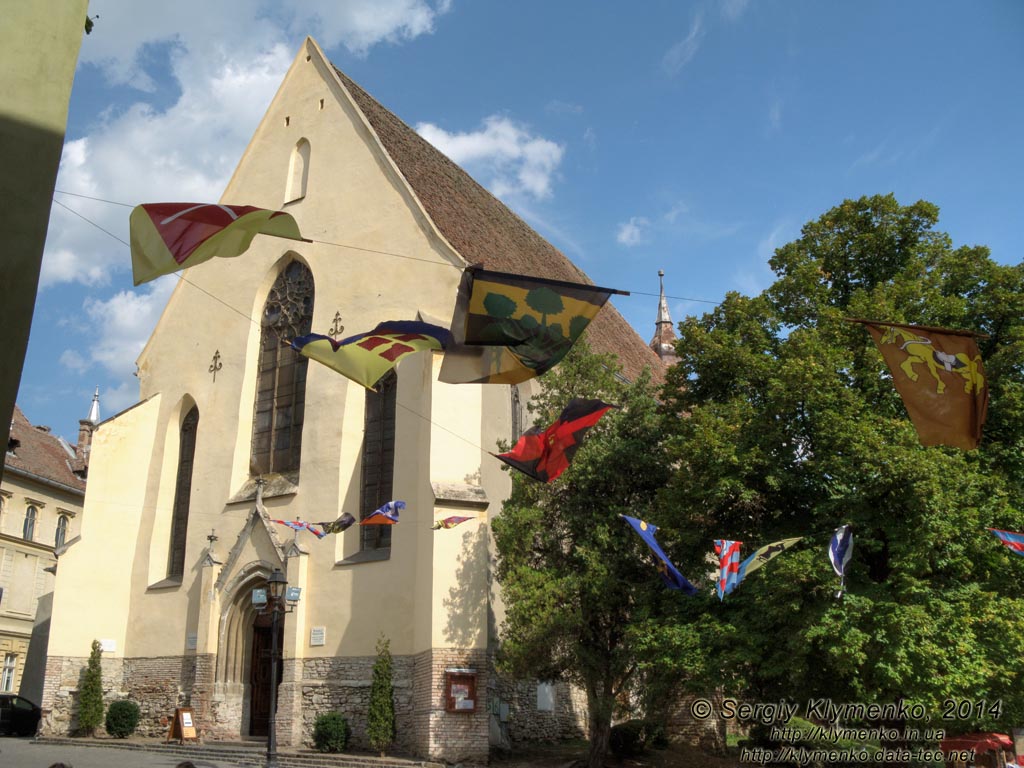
(366, 357)
(509, 328)
(669, 573)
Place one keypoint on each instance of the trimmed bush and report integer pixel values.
(627, 739)
(380, 720)
(330, 732)
(122, 718)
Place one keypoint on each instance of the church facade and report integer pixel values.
(233, 430)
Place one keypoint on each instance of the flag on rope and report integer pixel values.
(670, 575)
(545, 454)
(939, 374)
(366, 357)
(728, 566)
(840, 550)
(386, 515)
(301, 525)
(450, 522)
(343, 523)
(764, 554)
(509, 328)
(166, 237)
(1013, 541)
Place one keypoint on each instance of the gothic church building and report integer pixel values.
(233, 430)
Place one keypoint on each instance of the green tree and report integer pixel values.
(90, 694)
(380, 720)
(785, 423)
(583, 601)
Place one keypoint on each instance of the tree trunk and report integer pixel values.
(600, 720)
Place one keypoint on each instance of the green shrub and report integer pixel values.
(380, 719)
(330, 732)
(627, 739)
(654, 734)
(122, 718)
(90, 694)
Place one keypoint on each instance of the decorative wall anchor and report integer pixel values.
(216, 365)
(337, 329)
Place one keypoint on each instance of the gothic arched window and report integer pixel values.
(62, 531)
(378, 458)
(28, 530)
(281, 379)
(298, 172)
(182, 495)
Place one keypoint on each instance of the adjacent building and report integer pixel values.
(42, 488)
(233, 431)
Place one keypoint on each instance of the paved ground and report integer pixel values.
(26, 753)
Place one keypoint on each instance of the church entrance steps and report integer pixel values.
(249, 754)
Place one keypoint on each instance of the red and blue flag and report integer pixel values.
(1013, 541)
(386, 515)
(728, 566)
(301, 525)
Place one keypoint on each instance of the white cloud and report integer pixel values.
(680, 54)
(676, 211)
(123, 323)
(127, 30)
(73, 361)
(503, 154)
(632, 232)
(733, 9)
(757, 276)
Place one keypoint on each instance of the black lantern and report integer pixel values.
(270, 599)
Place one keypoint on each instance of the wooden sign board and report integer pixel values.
(183, 726)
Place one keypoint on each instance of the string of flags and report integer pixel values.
(508, 328)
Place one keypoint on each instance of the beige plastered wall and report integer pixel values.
(433, 591)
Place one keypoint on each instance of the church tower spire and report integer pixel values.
(664, 341)
(86, 427)
(94, 409)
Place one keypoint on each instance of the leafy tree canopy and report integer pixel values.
(783, 421)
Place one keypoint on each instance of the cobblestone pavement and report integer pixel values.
(27, 753)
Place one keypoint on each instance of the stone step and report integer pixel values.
(249, 755)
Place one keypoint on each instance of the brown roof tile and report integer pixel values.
(484, 230)
(41, 453)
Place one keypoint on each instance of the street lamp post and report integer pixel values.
(270, 599)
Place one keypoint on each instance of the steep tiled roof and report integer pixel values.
(42, 454)
(483, 229)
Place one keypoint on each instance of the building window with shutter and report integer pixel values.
(182, 495)
(62, 531)
(28, 529)
(281, 379)
(378, 459)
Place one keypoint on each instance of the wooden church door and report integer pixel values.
(261, 689)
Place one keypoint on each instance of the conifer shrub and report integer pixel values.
(380, 720)
(122, 718)
(90, 695)
(330, 732)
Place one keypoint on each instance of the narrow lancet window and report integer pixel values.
(182, 495)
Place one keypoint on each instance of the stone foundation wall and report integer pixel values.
(681, 726)
(527, 723)
(308, 688)
(60, 691)
(343, 685)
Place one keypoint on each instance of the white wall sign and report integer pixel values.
(317, 635)
(191, 641)
(108, 645)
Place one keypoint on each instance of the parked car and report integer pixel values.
(18, 716)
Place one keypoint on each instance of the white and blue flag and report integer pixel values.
(840, 549)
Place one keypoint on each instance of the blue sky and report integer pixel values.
(694, 137)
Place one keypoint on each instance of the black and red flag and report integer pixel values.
(545, 454)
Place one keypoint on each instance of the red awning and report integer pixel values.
(981, 742)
